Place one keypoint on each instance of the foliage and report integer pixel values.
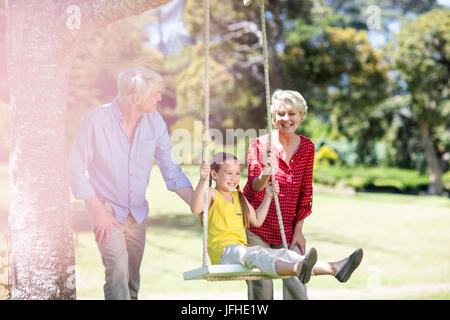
(421, 54)
(356, 14)
(344, 79)
(324, 156)
(101, 56)
(375, 178)
(236, 55)
(364, 103)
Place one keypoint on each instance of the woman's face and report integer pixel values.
(286, 120)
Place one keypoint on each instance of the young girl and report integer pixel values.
(230, 214)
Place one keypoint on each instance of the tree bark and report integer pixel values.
(41, 46)
(435, 186)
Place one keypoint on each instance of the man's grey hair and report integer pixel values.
(136, 82)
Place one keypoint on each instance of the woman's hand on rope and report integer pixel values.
(205, 170)
(298, 239)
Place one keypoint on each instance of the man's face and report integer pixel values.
(149, 105)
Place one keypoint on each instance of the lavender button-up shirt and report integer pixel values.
(119, 171)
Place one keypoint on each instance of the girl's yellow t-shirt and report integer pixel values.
(225, 226)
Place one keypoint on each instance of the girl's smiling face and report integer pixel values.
(228, 176)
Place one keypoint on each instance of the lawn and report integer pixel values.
(405, 241)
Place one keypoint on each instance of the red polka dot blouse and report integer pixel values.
(295, 181)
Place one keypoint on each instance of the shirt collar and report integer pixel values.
(116, 110)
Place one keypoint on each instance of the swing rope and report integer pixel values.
(269, 118)
(206, 142)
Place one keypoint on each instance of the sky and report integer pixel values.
(172, 31)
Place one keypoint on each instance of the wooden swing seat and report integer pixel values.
(227, 272)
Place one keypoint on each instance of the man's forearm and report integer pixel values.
(94, 205)
(185, 194)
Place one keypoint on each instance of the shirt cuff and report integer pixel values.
(178, 183)
(303, 213)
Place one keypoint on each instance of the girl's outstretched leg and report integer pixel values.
(341, 270)
(285, 268)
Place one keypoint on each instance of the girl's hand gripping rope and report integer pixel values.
(272, 187)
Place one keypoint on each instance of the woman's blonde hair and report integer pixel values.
(135, 82)
(290, 99)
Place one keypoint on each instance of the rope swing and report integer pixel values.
(229, 272)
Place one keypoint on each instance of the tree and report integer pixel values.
(376, 14)
(102, 54)
(3, 84)
(236, 59)
(342, 78)
(421, 54)
(42, 39)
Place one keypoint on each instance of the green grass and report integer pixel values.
(444, 295)
(405, 240)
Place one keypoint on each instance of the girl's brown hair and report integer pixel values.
(216, 163)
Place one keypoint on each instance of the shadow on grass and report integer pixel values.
(185, 222)
(80, 222)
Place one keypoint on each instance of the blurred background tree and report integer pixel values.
(102, 54)
(421, 54)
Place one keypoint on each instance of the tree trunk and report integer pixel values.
(435, 186)
(41, 46)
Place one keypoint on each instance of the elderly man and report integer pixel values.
(116, 145)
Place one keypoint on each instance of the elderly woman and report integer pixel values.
(292, 157)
